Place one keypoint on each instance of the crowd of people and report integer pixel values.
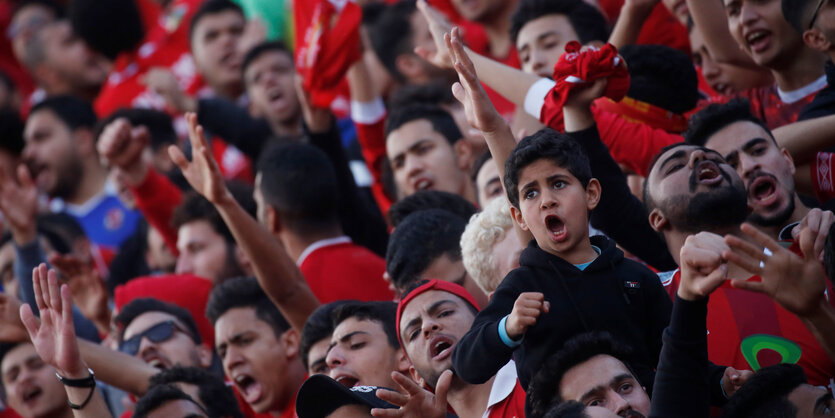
(417, 208)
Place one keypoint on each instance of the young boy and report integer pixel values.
(567, 283)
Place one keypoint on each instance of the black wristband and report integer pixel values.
(85, 382)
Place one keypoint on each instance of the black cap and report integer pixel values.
(320, 395)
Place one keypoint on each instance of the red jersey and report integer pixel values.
(768, 106)
(822, 177)
(338, 269)
(166, 44)
(748, 330)
(507, 398)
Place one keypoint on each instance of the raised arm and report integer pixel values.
(633, 13)
(804, 139)
(277, 274)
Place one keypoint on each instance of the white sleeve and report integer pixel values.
(367, 113)
(535, 97)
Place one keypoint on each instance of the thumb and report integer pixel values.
(442, 388)
(178, 157)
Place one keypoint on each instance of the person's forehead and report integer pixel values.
(354, 324)
(424, 301)
(487, 171)
(268, 59)
(735, 136)
(409, 133)
(176, 408)
(17, 356)
(594, 372)
(40, 119)
(147, 320)
(539, 168)
(555, 22)
(237, 320)
(219, 20)
(197, 230)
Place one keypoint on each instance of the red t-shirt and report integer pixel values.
(511, 407)
(822, 177)
(766, 105)
(748, 330)
(339, 269)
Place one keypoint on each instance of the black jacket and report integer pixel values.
(612, 294)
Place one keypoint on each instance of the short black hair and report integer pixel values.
(159, 395)
(212, 7)
(430, 199)
(73, 111)
(195, 207)
(97, 21)
(419, 240)
(159, 124)
(435, 92)
(765, 393)
(570, 409)
(548, 144)
(245, 292)
(300, 182)
(713, 118)
(544, 390)
(11, 130)
(382, 312)
(261, 49)
(442, 122)
(319, 325)
(587, 21)
(662, 76)
(141, 306)
(211, 389)
(798, 13)
(391, 35)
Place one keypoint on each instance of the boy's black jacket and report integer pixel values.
(612, 294)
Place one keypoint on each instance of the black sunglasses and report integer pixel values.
(815, 15)
(158, 333)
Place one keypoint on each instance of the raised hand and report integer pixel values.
(438, 26)
(797, 284)
(733, 379)
(202, 172)
(164, 83)
(86, 288)
(413, 400)
(481, 114)
(317, 119)
(54, 335)
(703, 266)
(19, 205)
(819, 222)
(121, 146)
(526, 310)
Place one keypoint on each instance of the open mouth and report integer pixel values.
(723, 89)
(707, 172)
(249, 388)
(423, 184)
(556, 227)
(441, 348)
(347, 381)
(758, 40)
(231, 60)
(763, 190)
(32, 393)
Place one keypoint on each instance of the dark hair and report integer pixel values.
(435, 92)
(61, 230)
(299, 181)
(53, 7)
(570, 409)
(159, 124)
(319, 325)
(195, 207)
(212, 7)
(544, 389)
(419, 240)
(261, 49)
(245, 292)
(479, 162)
(391, 35)
(141, 306)
(547, 144)
(713, 118)
(160, 394)
(442, 122)
(11, 130)
(430, 199)
(798, 13)
(6, 347)
(211, 389)
(662, 76)
(73, 111)
(97, 21)
(587, 21)
(765, 393)
(382, 312)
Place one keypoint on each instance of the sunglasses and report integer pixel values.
(158, 333)
(815, 14)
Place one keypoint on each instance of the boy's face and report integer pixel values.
(606, 382)
(542, 41)
(360, 355)
(269, 83)
(422, 159)
(31, 387)
(554, 206)
(488, 183)
(204, 252)
(430, 327)
(214, 45)
(725, 79)
(317, 357)
(255, 360)
(760, 29)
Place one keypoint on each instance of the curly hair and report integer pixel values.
(483, 232)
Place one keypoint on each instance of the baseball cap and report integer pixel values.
(320, 395)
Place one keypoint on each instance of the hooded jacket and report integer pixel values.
(612, 294)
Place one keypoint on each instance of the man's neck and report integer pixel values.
(804, 69)
(581, 254)
(295, 376)
(297, 243)
(230, 91)
(291, 127)
(800, 211)
(469, 400)
(497, 28)
(91, 184)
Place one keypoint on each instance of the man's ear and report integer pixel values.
(414, 374)
(273, 223)
(403, 362)
(241, 258)
(517, 216)
(815, 39)
(290, 340)
(593, 190)
(658, 221)
(463, 155)
(788, 156)
(204, 356)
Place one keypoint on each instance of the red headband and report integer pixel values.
(433, 284)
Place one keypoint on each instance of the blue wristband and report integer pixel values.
(506, 338)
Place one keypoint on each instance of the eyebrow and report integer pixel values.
(745, 147)
(412, 147)
(549, 179)
(599, 388)
(431, 310)
(676, 155)
(823, 399)
(345, 338)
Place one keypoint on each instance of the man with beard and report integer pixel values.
(692, 190)
(61, 156)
